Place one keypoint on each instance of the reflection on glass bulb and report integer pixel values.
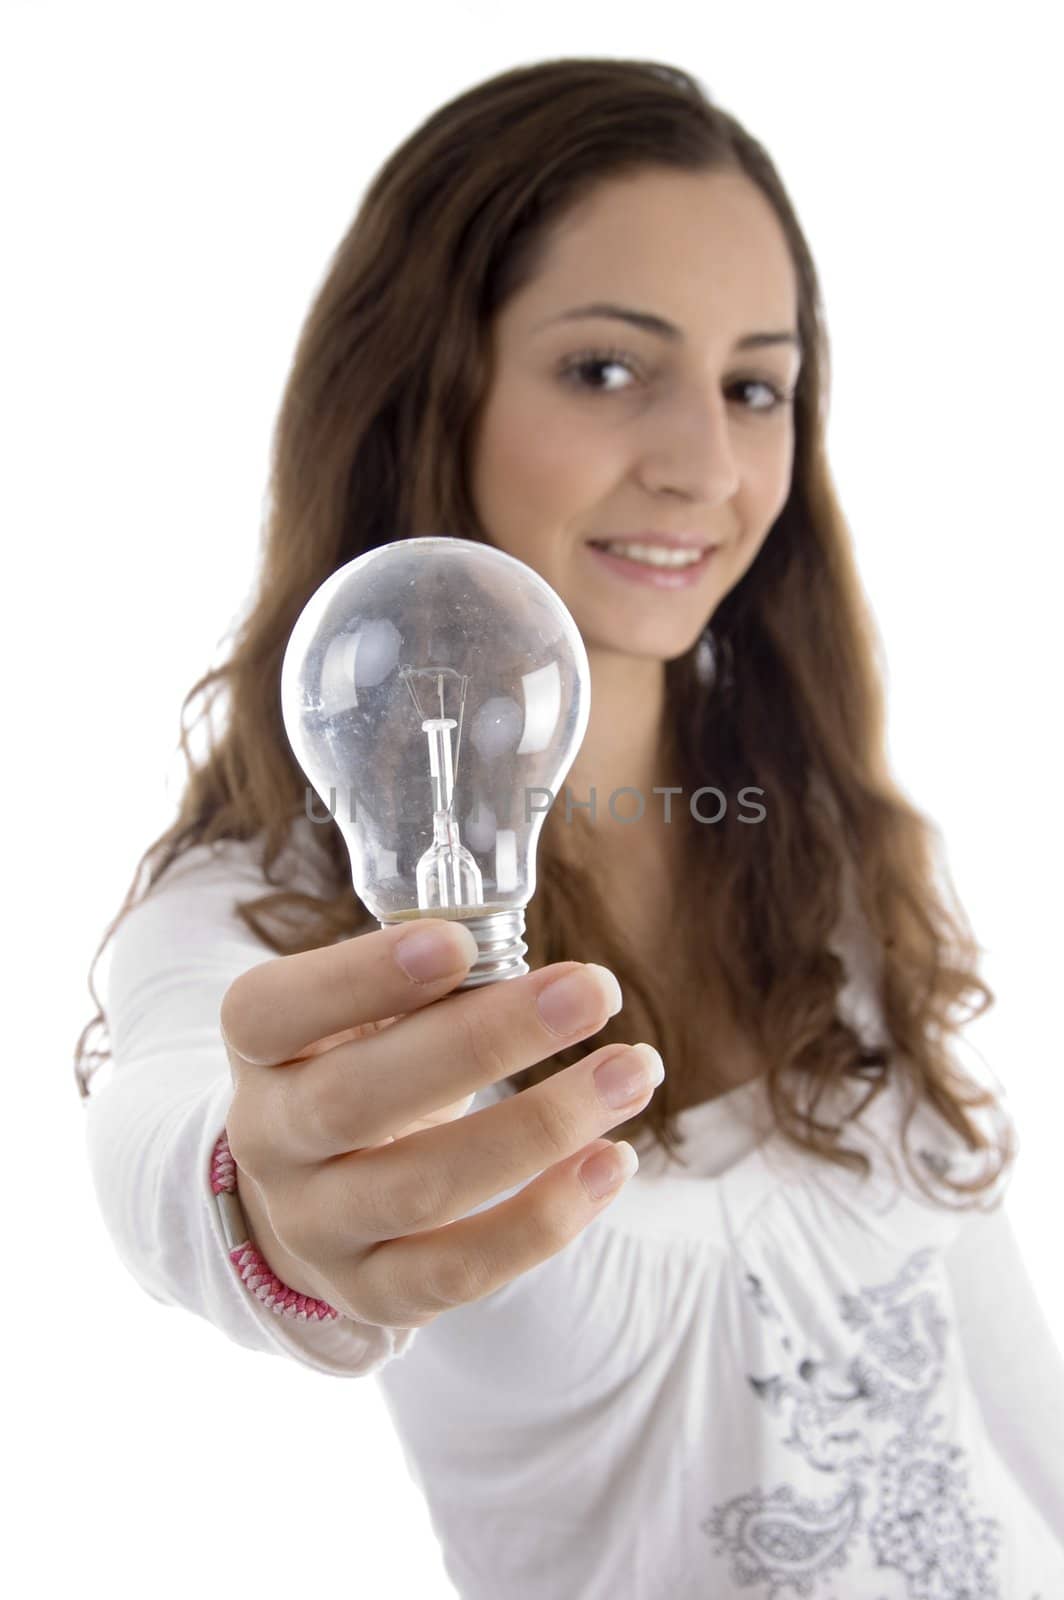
(441, 687)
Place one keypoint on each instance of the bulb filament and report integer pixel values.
(447, 874)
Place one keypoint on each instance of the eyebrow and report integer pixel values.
(666, 330)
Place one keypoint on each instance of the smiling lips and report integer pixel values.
(662, 566)
(654, 555)
(665, 551)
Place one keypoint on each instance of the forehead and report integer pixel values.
(682, 244)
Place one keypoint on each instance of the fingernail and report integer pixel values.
(607, 1168)
(626, 1077)
(433, 953)
(575, 1001)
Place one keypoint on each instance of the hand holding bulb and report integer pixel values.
(364, 1182)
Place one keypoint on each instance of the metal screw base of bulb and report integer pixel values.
(500, 945)
(501, 948)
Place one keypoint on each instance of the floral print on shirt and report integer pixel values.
(891, 1478)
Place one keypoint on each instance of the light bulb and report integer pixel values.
(435, 692)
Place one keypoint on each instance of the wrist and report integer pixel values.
(261, 1234)
(248, 1234)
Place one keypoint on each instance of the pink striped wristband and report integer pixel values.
(253, 1270)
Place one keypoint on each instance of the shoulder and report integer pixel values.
(902, 1119)
(238, 866)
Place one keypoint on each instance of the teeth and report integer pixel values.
(653, 555)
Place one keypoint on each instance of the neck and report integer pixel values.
(623, 748)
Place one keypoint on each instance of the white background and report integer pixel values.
(175, 180)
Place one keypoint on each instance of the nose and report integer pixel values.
(688, 448)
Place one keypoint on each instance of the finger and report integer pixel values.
(429, 1179)
(275, 1010)
(319, 1047)
(407, 1281)
(356, 1093)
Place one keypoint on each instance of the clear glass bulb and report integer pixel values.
(435, 692)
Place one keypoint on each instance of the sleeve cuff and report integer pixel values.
(340, 1347)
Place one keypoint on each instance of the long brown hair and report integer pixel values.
(371, 445)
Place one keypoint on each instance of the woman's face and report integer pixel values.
(594, 428)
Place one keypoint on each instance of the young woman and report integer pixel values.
(796, 1353)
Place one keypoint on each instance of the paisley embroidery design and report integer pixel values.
(891, 1479)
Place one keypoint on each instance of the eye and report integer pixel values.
(777, 397)
(587, 360)
(576, 372)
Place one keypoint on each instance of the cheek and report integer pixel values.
(508, 452)
(534, 453)
(783, 474)
(515, 483)
(767, 486)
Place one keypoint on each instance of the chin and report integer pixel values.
(652, 644)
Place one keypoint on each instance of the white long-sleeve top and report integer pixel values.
(754, 1376)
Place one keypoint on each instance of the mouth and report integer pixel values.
(659, 566)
